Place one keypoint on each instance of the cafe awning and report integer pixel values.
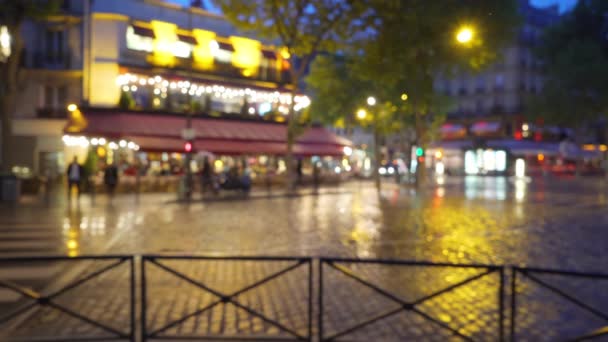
(163, 132)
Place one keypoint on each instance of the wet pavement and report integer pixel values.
(556, 223)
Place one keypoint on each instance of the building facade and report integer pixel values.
(491, 103)
(136, 70)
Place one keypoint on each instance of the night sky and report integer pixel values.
(563, 4)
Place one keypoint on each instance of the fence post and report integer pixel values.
(143, 298)
(310, 300)
(320, 302)
(133, 330)
(513, 303)
(501, 305)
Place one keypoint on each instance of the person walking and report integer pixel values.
(110, 179)
(75, 175)
(207, 178)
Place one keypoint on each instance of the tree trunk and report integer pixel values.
(8, 93)
(377, 159)
(292, 125)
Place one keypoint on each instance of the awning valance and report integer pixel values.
(226, 46)
(269, 54)
(187, 39)
(143, 31)
(157, 132)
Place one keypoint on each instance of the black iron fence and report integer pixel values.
(61, 298)
(281, 298)
(552, 291)
(222, 295)
(415, 303)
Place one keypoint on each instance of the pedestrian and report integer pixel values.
(75, 174)
(299, 171)
(315, 176)
(207, 177)
(110, 179)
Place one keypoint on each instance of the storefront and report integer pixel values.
(150, 145)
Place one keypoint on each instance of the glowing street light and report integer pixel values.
(464, 35)
(371, 100)
(5, 44)
(361, 114)
(72, 107)
(404, 97)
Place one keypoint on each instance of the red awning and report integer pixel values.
(155, 132)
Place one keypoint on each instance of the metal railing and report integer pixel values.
(222, 297)
(41, 299)
(534, 275)
(410, 306)
(145, 293)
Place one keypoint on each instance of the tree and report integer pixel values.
(303, 28)
(340, 91)
(409, 43)
(13, 13)
(574, 55)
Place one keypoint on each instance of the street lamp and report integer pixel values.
(5, 44)
(371, 101)
(361, 114)
(464, 35)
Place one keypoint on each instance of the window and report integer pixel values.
(54, 97)
(480, 83)
(49, 94)
(223, 56)
(54, 46)
(140, 39)
(499, 81)
(62, 96)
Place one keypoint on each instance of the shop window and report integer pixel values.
(140, 39)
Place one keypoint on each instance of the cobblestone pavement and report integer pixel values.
(540, 223)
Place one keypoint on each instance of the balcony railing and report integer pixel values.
(51, 113)
(61, 60)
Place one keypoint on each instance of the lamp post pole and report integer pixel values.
(189, 136)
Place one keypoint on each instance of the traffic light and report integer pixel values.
(188, 147)
(419, 152)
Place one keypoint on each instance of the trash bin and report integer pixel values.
(10, 188)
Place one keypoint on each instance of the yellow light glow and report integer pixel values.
(72, 244)
(285, 54)
(589, 147)
(166, 36)
(541, 157)
(464, 35)
(101, 152)
(202, 53)
(438, 154)
(247, 54)
(77, 122)
(72, 107)
(371, 101)
(156, 102)
(404, 97)
(219, 164)
(603, 148)
(361, 114)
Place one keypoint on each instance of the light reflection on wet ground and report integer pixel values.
(472, 220)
